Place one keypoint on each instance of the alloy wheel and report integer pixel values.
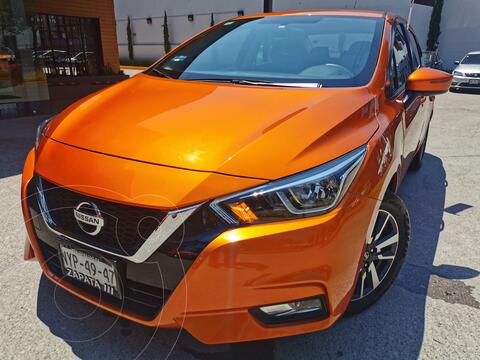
(379, 255)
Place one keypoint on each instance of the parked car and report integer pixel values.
(50, 56)
(467, 73)
(83, 57)
(7, 55)
(244, 187)
(9, 72)
(84, 62)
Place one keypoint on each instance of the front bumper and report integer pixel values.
(245, 268)
(464, 82)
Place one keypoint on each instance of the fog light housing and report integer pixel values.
(299, 310)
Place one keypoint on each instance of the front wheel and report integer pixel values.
(384, 253)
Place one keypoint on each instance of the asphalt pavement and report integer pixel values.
(431, 312)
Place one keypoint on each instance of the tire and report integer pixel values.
(385, 253)
(418, 159)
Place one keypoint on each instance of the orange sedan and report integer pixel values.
(8, 68)
(244, 186)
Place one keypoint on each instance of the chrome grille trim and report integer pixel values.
(170, 223)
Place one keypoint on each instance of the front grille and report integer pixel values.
(472, 75)
(145, 286)
(143, 300)
(467, 84)
(125, 227)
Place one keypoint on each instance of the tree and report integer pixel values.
(212, 21)
(130, 39)
(10, 24)
(166, 36)
(434, 28)
(267, 6)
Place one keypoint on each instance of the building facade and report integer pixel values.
(45, 42)
(95, 19)
(460, 21)
(185, 19)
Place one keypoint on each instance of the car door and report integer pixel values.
(427, 102)
(413, 105)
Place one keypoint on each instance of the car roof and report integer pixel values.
(359, 13)
(474, 53)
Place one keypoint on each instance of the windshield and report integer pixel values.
(471, 59)
(328, 50)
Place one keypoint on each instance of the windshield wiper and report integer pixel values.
(273, 83)
(227, 81)
(261, 82)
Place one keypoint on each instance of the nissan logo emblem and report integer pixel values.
(89, 218)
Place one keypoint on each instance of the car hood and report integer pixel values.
(249, 131)
(475, 68)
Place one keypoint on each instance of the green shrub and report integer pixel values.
(166, 36)
(434, 28)
(130, 40)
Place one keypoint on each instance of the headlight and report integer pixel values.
(40, 131)
(312, 192)
(458, 73)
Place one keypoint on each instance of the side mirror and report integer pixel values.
(457, 62)
(428, 82)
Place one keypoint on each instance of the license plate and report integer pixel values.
(90, 270)
(474, 81)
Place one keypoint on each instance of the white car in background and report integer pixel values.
(467, 73)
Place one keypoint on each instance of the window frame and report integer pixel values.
(415, 45)
(398, 90)
(402, 28)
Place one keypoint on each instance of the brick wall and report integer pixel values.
(101, 9)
